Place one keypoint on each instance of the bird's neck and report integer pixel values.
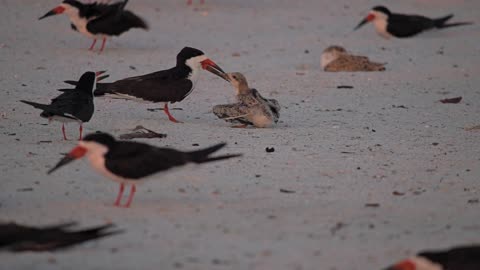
(79, 22)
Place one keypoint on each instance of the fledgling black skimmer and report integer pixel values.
(336, 58)
(17, 238)
(458, 258)
(170, 85)
(388, 24)
(97, 20)
(71, 106)
(128, 162)
(251, 109)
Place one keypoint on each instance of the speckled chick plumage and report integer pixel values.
(336, 59)
(251, 108)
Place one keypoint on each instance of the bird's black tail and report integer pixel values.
(134, 20)
(202, 156)
(442, 22)
(36, 105)
(90, 234)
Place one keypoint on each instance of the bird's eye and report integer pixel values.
(235, 77)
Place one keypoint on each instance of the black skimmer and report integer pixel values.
(388, 24)
(458, 258)
(129, 162)
(97, 20)
(75, 105)
(336, 58)
(251, 109)
(170, 85)
(17, 238)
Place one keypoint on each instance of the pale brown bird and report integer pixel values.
(251, 108)
(336, 58)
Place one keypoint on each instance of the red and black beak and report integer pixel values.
(76, 153)
(97, 75)
(367, 19)
(403, 265)
(99, 78)
(209, 65)
(55, 11)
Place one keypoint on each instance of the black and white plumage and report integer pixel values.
(251, 108)
(457, 258)
(129, 162)
(388, 24)
(75, 105)
(18, 238)
(98, 20)
(168, 86)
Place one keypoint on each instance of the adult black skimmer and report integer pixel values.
(251, 109)
(71, 106)
(170, 85)
(336, 58)
(16, 238)
(97, 20)
(458, 258)
(129, 162)
(388, 24)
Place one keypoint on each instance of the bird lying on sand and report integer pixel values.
(251, 108)
(336, 58)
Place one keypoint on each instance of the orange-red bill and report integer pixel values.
(403, 265)
(367, 19)
(55, 11)
(76, 153)
(209, 65)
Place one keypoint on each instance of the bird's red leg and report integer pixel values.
(130, 197)
(93, 44)
(103, 45)
(81, 131)
(120, 193)
(170, 117)
(63, 131)
(189, 2)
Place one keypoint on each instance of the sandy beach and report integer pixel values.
(359, 178)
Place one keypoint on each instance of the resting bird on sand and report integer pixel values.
(336, 58)
(251, 109)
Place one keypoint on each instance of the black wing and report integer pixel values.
(73, 103)
(134, 160)
(161, 86)
(233, 113)
(70, 104)
(465, 258)
(16, 237)
(113, 20)
(95, 10)
(408, 25)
